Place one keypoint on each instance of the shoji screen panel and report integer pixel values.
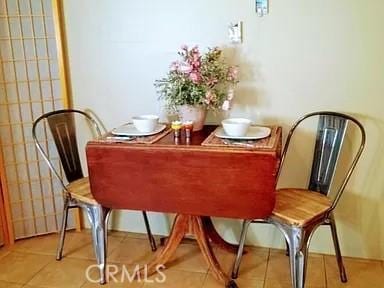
(30, 86)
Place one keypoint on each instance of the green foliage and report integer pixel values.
(198, 80)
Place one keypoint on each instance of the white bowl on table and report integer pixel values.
(236, 127)
(145, 123)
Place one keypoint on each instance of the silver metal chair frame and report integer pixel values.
(98, 216)
(298, 238)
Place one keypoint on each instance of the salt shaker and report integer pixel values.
(176, 126)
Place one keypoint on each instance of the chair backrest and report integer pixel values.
(330, 134)
(62, 126)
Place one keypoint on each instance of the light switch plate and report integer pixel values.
(235, 32)
(262, 7)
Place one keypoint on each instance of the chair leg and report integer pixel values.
(286, 248)
(343, 274)
(298, 239)
(59, 252)
(236, 266)
(298, 255)
(151, 239)
(98, 217)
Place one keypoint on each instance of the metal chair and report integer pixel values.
(63, 126)
(298, 212)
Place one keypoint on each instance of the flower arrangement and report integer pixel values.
(199, 80)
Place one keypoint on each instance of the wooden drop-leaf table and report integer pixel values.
(194, 181)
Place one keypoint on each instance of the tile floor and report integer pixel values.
(31, 263)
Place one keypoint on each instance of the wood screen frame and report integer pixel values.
(5, 212)
(64, 71)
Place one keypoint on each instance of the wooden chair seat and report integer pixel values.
(298, 207)
(80, 190)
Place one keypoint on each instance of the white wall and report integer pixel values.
(305, 55)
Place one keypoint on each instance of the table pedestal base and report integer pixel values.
(204, 231)
(212, 235)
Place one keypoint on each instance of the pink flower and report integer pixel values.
(195, 77)
(196, 63)
(184, 47)
(195, 50)
(212, 82)
(226, 105)
(233, 73)
(185, 68)
(209, 97)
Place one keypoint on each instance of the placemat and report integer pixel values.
(109, 137)
(265, 143)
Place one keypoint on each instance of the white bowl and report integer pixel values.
(145, 123)
(236, 126)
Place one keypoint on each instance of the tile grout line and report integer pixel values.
(34, 275)
(11, 282)
(86, 281)
(23, 253)
(266, 268)
(5, 253)
(205, 279)
(325, 272)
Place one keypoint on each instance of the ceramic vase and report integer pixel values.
(196, 114)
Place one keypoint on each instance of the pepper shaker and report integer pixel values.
(188, 126)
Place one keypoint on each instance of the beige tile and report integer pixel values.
(21, 267)
(141, 235)
(188, 257)
(315, 271)
(76, 244)
(285, 284)
(116, 233)
(9, 285)
(24, 261)
(4, 251)
(80, 245)
(116, 278)
(211, 282)
(65, 273)
(253, 263)
(113, 284)
(272, 283)
(278, 272)
(46, 244)
(132, 251)
(112, 233)
(360, 273)
(177, 279)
